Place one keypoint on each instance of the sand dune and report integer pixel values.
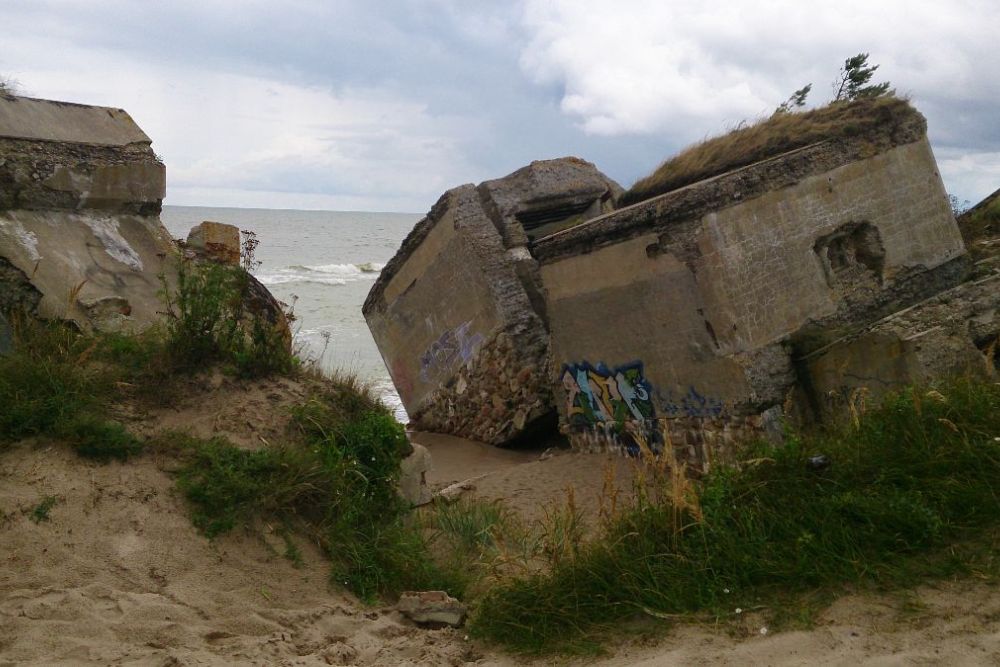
(117, 575)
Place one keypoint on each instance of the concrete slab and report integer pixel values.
(48, 120)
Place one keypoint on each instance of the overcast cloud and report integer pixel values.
(383, 106)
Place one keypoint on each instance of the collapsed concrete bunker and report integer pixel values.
(80, 234)
(700, 316)
(458, 313)
(81, 240)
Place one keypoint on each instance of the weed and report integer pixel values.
(911, 477)
(40, 512)
(248, 251)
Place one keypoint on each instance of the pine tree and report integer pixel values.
(853, 81)
(795, 100)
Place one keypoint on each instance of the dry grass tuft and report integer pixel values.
(779, 133)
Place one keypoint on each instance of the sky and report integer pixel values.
(384, 105)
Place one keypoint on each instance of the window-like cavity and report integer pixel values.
(852, 255)
(540, 222)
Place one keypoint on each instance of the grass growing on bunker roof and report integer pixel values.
(779, 133)
(910, 489)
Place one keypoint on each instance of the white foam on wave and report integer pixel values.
(322, 274)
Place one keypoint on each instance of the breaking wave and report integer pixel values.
(323, 274)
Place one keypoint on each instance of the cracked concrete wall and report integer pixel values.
(689, 305)
(955, 332)
(80, 196)
(456, 329)
(458, 313)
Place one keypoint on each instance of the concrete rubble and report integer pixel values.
(216, 242)
(413, 476)
(432, 608)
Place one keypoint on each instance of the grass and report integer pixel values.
(40, 512)
(769, 137)
(910, 487)
(336, 479)
(60, 383)
(51, 386)
(216, 316)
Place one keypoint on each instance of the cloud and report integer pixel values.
(382, 106)
(685, 70)
(234, 137)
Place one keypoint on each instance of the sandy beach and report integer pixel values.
(117, 575)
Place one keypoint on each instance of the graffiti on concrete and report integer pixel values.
(599, 395)
(441, 355)
(691, 404)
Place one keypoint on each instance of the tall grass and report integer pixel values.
(215, 316)
(50, 385)
(769, 137)
(917, 474)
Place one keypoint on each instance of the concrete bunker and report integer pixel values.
(80, 197)
(707, 294)
(459, 315)
(684, 319)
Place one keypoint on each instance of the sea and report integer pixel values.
(322, 264)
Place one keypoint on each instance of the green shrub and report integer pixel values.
(338, 478)
(227, 485)
(214, 318)
(915, 475)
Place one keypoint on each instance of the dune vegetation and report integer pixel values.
(772, 136)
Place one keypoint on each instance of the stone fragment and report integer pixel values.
(413, 476)
(216, 241)
(109, 314)
(452, 492)
(432, 608)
